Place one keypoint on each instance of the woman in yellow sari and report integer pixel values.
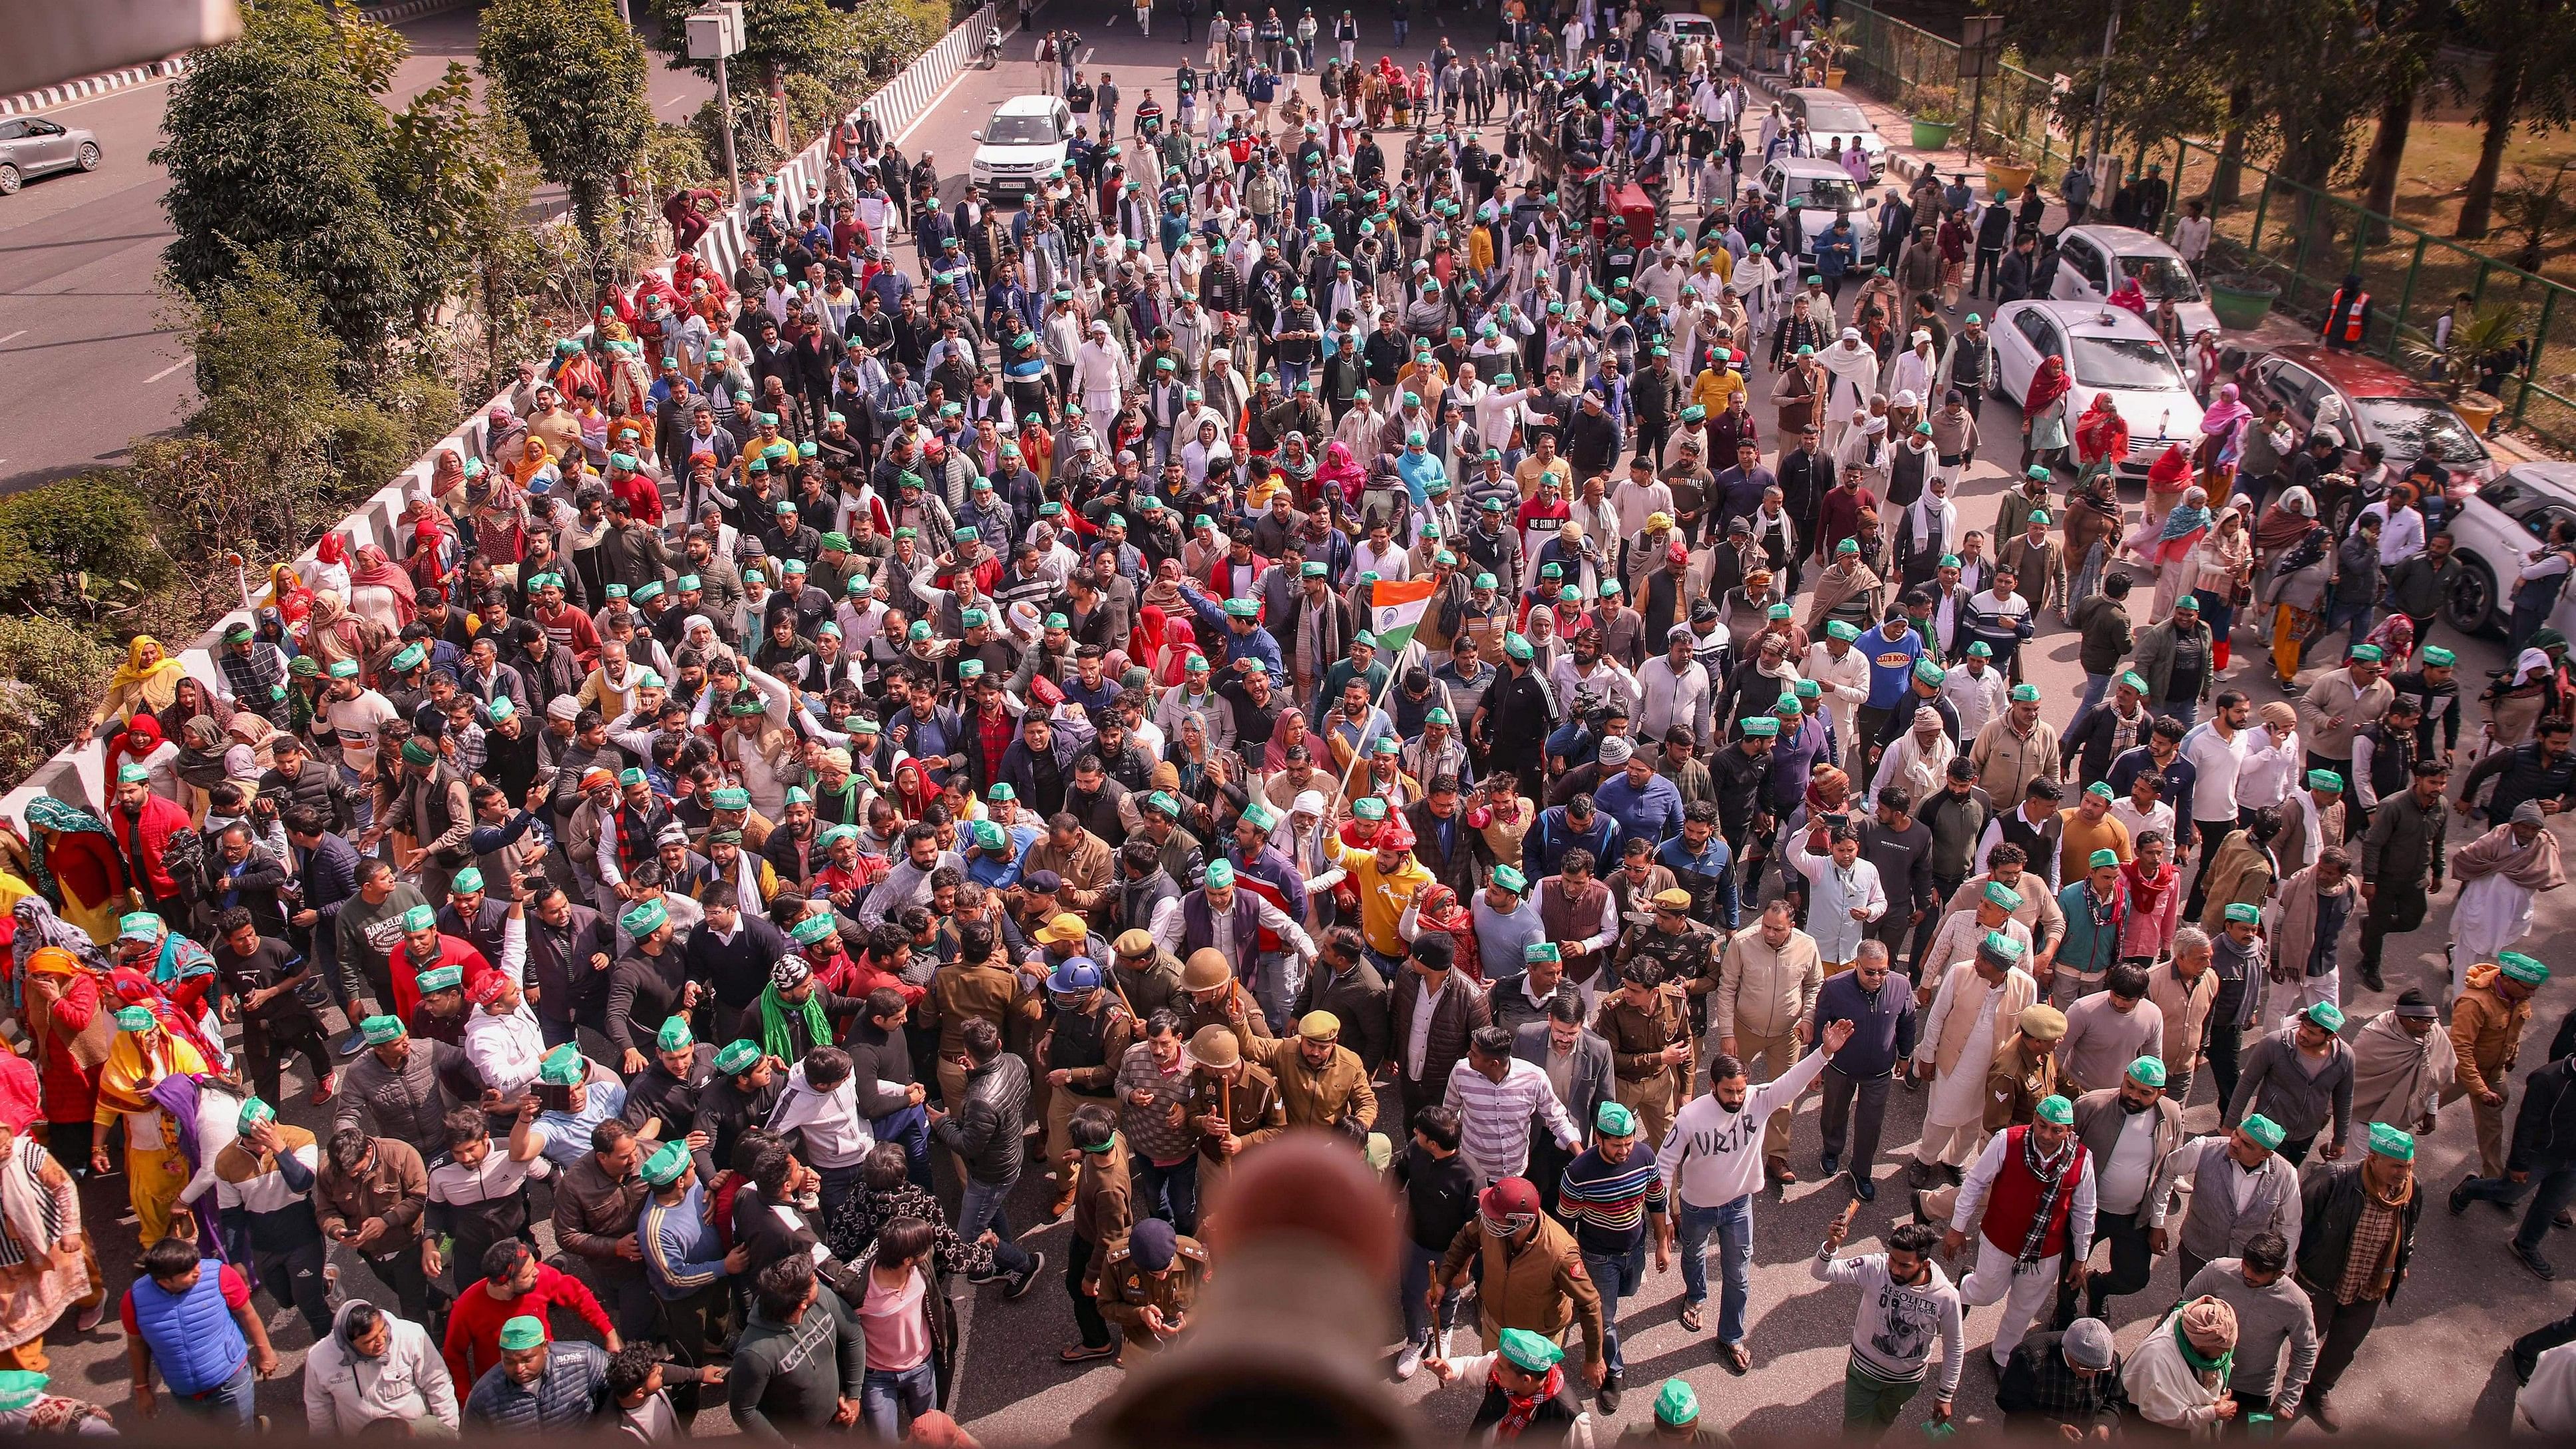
(156, 1165)
(146, 682)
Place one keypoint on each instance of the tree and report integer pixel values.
(2529, 81)
(274, 144)
(84, 544)
(572, 74)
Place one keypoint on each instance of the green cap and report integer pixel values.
(2102, 860)
(438, 979)
(2521, 968)
(133, 774)
(2243, 911)
(2056, 1111)
(254, 1112)
(737, 1057)
(644, 918)
(2326, 1014)
(381, 1030)
(2025, 694)
(1782, 610)
(2036, 472)
(1516, 647)
(812, 929)
(562, 1067)
(666, 1165)
(417, 751)
(1530, 1352)
(1675, 1404)
(1542, 951)
(344, 669)
(1929, 672)
(989, 836)
(523, 1333)
(1243, 608)
(1369, 807)
(730, 797)
(409, 657)
(2437, 656)
(20, 1388)
(675, 1035)
(1762, 727)
(2394, 1143)
(1834, 629)
(2367, 653)
(2003, 946)
(1510, 879)
(1220, 874)
(2265, 1132)
(1980, 649)
(136, 1018)
(2147, 1072)
(2325, 780)
(1615, 1121)
(466, 881)
(419, 918)
(2134, 680)
(138, 926)
(1999, 894)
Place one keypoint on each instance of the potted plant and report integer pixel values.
(2241, 299)
(2006, 172)
(2456, 363)
(1837, 43)
(1935, 111)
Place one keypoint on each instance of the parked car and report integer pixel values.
(1020, 145)
(31, 146)
(1821, 192)
(1671, 33)
(2095, 261)
(1829, 114)
(2399, 412)
(2107, 350)
(2494, 529)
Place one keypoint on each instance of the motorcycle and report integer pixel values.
(992, 54)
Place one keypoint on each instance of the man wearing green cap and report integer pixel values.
(1613, 1196)
(422, 796)
(2241, 1189)
(2132, 1130)
(2301, 1077)
(2356, 1237)
(1526, 1388)
(2487, 1023)
(264, 1181)
(684, 1259)
(2030, 1201)
(540, 1385)
(2341, 701)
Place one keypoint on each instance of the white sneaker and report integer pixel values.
(1409, 1362)
(1443, 1341)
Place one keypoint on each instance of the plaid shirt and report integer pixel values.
(2039, 1381)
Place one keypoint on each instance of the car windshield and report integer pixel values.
(1694, 25)
(2129, 364)
(1827, 117)
(1824, 193)
(2420, 428)
(2162, 277)
(1020, 131)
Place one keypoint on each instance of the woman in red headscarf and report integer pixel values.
(2043, 412)
(1180, 646)
(1145, 641)
(1437, 908)
(2101, 438)
(2130, 298)
(380, 591)
(137, 742)
(1340, 473)
(433, 554)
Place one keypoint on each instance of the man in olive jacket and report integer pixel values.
(2156, 646)
(2104, 620)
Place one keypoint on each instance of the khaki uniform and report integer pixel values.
(1645, 1083)
(1336, 1097)
(1194, 1016)
(1089, 1046)
(1543, 1287)
(1763, 995)
(1150, 990)
(2014, 1090)
(959, 994)
(1251, 1110)
(1126, 1290)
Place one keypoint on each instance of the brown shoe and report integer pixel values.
(1778, 1170)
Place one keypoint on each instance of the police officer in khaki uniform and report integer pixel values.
(1650, 1046)
(1084, 1043)
(1321, 1081)
(1230, 1103)
(1150, 1284)
(1680, 949)
(1212, 997)
(1145, 977)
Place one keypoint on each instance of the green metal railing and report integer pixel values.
(2295, 236)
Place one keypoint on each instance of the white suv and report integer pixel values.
(1024, 140)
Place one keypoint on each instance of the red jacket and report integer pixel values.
(474, 1324)
(145, 840)
(452, 951)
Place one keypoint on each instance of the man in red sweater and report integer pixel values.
(143, 824)
(514, 1283)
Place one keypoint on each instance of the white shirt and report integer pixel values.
(2131, 1164)
(1978, 695)
(1169, 925)
(1840, 890)
(2160, 819)
(1971, 1207)
(1494, 1117)
(2217, 760)
(1417, 1043)
(2267, 773)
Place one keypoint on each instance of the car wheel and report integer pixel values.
(2471, 606)
(2342, 506)
(87, 156)
(8, 180)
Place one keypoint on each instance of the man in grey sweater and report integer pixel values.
(2110, 1029)
(2300, 1076)
(802, 1360)
(2241, 1189)
(2271, 1309)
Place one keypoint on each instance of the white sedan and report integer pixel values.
(2108, 351)
(2494, 531)
(2094, 261)
(1664, 43)
(1832, 116)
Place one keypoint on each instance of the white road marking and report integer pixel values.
(103, 96)
(14, 336)
(189, 361)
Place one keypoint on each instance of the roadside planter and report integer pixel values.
(2008, 177)
(1933, 135)
(2241, 302)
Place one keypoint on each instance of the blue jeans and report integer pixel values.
(911, 1127)
(1733, 1224)
(2088, 575)
(1170, 1193)
(1616, 1278)
(1420, 1263)
(2185, 710)
(980, 1207)
(1275, 978)
(231, 1400)
(839, 1183)
(1402, 29)
(2095, 686)
(890, 1399)
(2358, 616)
(2550, 1189)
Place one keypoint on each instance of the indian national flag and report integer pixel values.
(1395, 611)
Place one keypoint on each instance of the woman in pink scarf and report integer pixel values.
(2220, 428)
(1340, 472)
(380, 590)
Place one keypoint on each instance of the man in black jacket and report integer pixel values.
(2543, 1158)
(2352, 1208)
(986, 1133)
(881, 1054)
(1592, 436)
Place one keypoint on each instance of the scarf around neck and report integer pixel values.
(1519, 1408)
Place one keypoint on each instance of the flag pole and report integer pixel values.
(1376, 706)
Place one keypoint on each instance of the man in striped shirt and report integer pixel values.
(1496, 1098)
(1610, 1196)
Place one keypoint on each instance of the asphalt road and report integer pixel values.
(2434, 1362)
(81, 317)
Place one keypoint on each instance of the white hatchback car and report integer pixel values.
(1822, 192)
(2095, 261)
(1830, 114)
(1020, 145)
(1671, 33)
(2494, 529)
(2107, 350)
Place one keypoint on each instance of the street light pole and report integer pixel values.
(2102, 93)
(715, 34)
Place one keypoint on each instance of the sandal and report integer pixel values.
(1690, 1317)
(1085, 1353)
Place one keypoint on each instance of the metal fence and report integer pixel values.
(1890, 58)
(2301, 239)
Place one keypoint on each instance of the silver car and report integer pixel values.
(31, 146)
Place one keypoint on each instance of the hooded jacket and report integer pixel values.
(344, 1393)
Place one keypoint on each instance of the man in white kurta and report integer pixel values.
(1978, 1005)
(2024, 1281)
